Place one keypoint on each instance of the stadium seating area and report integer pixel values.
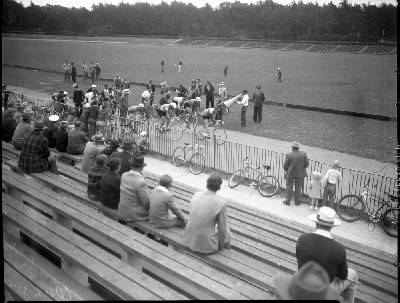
(310, 47)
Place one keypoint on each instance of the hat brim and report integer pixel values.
(314, 218)
(282, 284)
(142, 165)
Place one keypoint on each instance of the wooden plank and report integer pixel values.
(48, 233)
(43, 274)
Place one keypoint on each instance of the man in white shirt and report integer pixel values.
(244, 103)
(332, 177)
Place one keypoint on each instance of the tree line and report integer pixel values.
(234, 20)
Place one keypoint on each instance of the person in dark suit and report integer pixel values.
(295, 166)
(209, 92)
(126, 156)
(258, 98)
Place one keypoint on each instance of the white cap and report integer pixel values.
(173, 104)
(143, 133)
(87, 105)
(198, 99)
(65, 93)
(54, 118)
(141, 105)
(126, 91)
(93, 85)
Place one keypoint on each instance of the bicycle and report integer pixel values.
(196, 161)
(267, 185)
(352, 207)
(214, 129)
(175, 129)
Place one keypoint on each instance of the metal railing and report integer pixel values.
(228, 157)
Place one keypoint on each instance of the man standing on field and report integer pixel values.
(85, 72)
(66, 68)
(258, 98)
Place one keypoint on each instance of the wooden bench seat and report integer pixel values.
(80, 258)
(67, 158)
(28, 273)
(259, 257)
(192, 276)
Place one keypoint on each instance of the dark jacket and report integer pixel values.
(61, 137)
(78, 97)
(126, 161)
(295, 164)
(94, 176)
(8, 126)
(110, 189)
(34, 153)
(209, 92)
(258, 99)
(48, 134)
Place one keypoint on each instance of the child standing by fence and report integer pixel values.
(315, 189)
(332, 177)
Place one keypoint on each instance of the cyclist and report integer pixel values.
(165, 93)
(209, 114)
(143, 144)
(164, 112)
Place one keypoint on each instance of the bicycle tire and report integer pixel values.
(197, 163)
(141, 126)
(156, 129)
(268, 186)
(390, 222)
(236, 179)
(350, 208)
(220, 135)
(176, 131)
(179, 156)
(199, 131)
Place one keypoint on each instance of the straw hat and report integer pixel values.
(325, 217)
(54, 118)
(295, 144)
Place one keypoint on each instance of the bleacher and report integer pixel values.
(235, 43)
(262, 244)
(217, 43)
(349, 48)
(378, 49)
(322, 48)
(297, 46)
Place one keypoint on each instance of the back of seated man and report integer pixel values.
(23, 128)
(77, 140)
(61, 137)
(319, 246)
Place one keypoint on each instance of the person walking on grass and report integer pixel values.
(244, 103)
(319, 246)
(279, 75)
(180, 66)
(162, 203)
(258, 98)
(332, 177)
(295, 166)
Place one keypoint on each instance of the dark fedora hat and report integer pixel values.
(138, 161)
(128, 144)
(311, 282)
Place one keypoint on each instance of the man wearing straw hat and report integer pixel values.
(319, 246)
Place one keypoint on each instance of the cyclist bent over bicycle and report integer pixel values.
(164, 112)
(209, 114)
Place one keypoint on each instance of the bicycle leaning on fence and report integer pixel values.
(196, 161)
(352, 207)
(266, 184)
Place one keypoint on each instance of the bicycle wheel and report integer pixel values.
(199, 131)
(350, 208)
(197, 163)
(156, 129)
(176, 131)
(268, 186)
(390, 221)
(236, 179)
(178, 157)
(220, 135)
(141, 126)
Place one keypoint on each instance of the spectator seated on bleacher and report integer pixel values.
(95, 174)
(110, 184)
(34, 157)
(311, 282)
(23, 128)
(8, 123)
(91, 151)
(114, 144)
(162, 203)
(319, 246)
(18, 113)
(49, 131)
(128, 147)
(77, 140)
(134, 202)
(60, 135)
(206, 211)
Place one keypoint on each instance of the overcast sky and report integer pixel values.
(198, 3)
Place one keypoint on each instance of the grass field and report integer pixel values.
(354, 82)
(358, 136)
